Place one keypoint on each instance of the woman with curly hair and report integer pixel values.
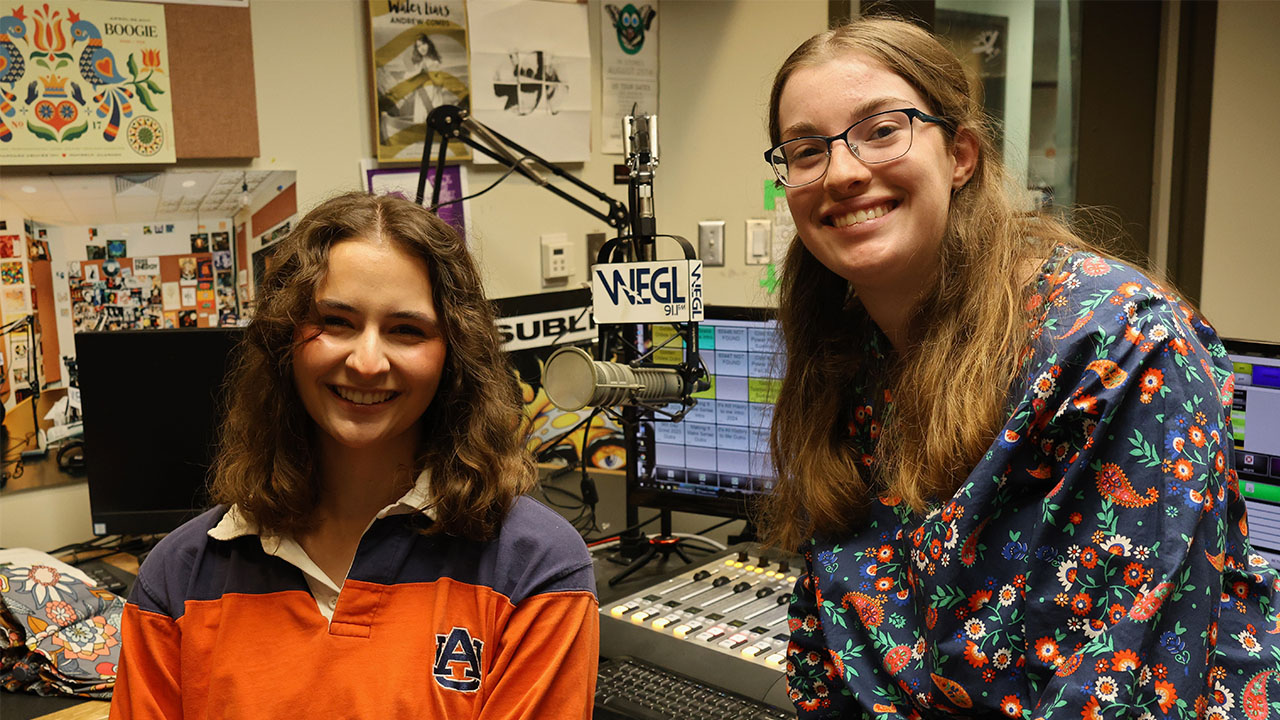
(372, 553)
(1005, 455)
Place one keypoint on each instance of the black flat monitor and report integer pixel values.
(1255, 420)
(716, 460)
(152, 402)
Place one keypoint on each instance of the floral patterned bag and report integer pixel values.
(58, 634)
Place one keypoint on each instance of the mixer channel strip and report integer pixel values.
(735, 605)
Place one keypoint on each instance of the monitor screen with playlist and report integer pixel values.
(152, 404)
(1255, 420)
(716, 460)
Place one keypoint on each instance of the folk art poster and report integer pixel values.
(84, 82)
(419, 63)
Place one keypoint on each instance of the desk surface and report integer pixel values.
(38, 471)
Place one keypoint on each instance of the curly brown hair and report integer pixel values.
(950, 383)
(470, 433)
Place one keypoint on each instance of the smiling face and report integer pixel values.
(376, 350)
(878, 226)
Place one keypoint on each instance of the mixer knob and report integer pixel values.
(783, 567)
(702, 575)
(764, 592)
(742, 556)
(783, 599)
(744, 585)
(722, 580)
(764, 561)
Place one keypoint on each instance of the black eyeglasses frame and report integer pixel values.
(911, 113)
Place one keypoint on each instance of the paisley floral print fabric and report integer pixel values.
(60, 636)
(1095, 564)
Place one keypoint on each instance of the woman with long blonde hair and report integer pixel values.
(1005, 455)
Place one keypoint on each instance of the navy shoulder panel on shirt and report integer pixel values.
(189, 565)
(539, 551)
(536, 551)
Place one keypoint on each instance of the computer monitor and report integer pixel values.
(1255, 420)
(716, 460)
(152, 402)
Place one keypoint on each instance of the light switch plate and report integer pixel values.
(759, 241)
(711, 243)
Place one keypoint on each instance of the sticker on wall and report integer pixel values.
(6, 245)
(92, 273)
(204, 269)
(199, 242)
(117, 249)
(95, 252)
(188, 296)
(221, 259)
(18, 349)
(146, 266)
(188, 318)
(11, 273)
(171, 293)
(15, 302)
(170, 319)
(187, 270)
(221, 241)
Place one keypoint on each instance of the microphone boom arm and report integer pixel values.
(454, 123)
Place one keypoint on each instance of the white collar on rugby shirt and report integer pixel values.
(236, 524)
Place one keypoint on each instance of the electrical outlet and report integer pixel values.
(711, 243)
(758, 241)
(555, 256)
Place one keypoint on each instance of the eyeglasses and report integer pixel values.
(874, 139)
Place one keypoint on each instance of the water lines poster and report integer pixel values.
(84, 82)
(419, 63)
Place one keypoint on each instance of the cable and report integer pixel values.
(704, 531)
(504, 176)
(695, 536)
(637, 526)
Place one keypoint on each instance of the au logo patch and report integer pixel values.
(457, 665)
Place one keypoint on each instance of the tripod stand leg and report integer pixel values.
(680, 551)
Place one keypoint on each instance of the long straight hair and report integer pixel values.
(950, 384)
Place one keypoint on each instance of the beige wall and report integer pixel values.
(311, 62)
(716, 60)
(1240, 291)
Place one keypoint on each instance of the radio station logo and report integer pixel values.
(660, 291)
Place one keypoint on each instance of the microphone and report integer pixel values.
(572, 381)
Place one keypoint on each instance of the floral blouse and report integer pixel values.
(1095, 564)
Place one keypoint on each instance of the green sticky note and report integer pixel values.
(771, 193)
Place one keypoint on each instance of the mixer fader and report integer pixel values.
(733, 606)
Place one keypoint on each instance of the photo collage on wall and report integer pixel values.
(166, 291)
(17, 300)
(224, 284)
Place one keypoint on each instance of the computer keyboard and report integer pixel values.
(637, 690)
(108, 577)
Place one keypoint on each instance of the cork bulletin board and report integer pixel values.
(138, 293)
(215, 106)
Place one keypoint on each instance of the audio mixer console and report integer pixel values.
(723, 622)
